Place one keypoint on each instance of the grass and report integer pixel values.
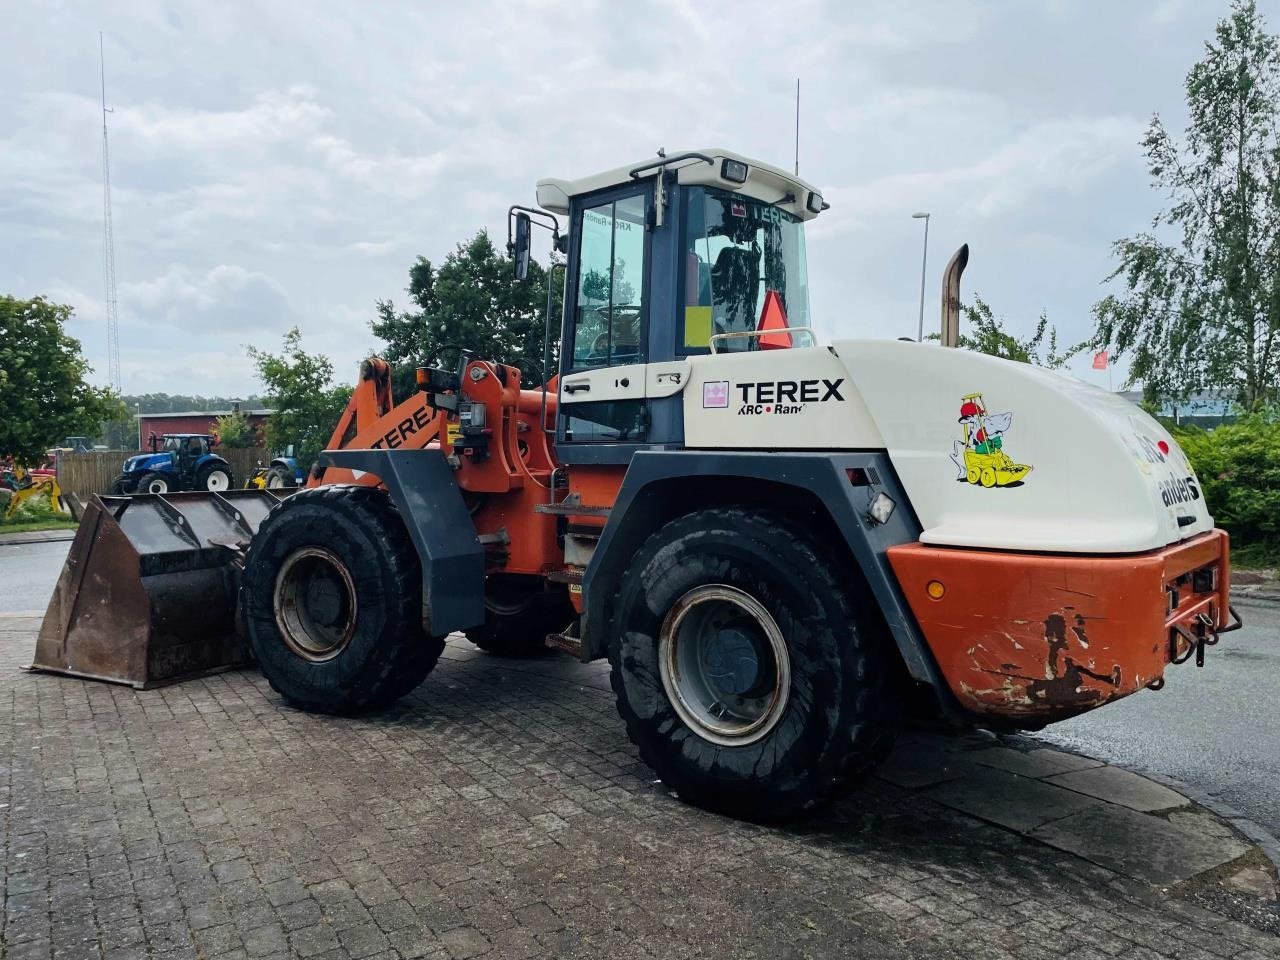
(34, 515)
(53, 523)
(1255, 556)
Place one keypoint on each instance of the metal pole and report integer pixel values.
(924, 261)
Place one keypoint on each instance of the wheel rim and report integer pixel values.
(724, 665)
(217, 480)
(274, 481)
(315, 604)
(157, 486)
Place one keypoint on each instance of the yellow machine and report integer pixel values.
(29, 489)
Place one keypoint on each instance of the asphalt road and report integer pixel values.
(1217, 727)
(28, 572)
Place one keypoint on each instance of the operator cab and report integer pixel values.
(697, 252)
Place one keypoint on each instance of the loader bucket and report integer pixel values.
(149, 591)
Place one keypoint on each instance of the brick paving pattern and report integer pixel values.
(499, 811)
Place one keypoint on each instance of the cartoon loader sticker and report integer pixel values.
(979, 456)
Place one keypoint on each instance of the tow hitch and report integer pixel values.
(1203, 633)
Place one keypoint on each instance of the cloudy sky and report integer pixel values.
(280, 164)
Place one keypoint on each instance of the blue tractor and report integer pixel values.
(177, 461)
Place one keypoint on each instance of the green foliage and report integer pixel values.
(988, 335)
(1239, 469)
(34, 514)
(307, 403)
(472, 302)
(234, 431)
(1202, 307)
(44, 396)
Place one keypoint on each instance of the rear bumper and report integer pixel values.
(1031, 638)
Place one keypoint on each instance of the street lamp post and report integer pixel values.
(924, 260)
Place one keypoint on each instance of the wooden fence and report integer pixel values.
(86, 473)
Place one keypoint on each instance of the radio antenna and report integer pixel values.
(797, 126)
(108, 240)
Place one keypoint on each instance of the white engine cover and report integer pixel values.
(1074, 469)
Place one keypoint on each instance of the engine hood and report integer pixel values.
(999, 454)
(148, 461)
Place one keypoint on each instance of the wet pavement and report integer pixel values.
(1216, 727)
(500, 811)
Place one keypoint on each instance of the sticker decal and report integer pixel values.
(715, 395)
(979, 455)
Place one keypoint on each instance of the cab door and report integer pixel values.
(602, 364)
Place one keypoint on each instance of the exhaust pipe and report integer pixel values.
(951, 296)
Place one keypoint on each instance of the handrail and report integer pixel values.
(741, 334)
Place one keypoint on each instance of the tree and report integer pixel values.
(300, 388)
(1202, 308)
(990, 337)
(234, 431)
(473, 302)
(44, 396)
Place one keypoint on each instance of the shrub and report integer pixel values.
(1239, 468)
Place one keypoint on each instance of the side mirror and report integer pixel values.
(523, 242)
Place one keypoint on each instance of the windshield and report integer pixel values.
(171, 444)
(738, 250)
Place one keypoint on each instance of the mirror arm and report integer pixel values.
(553, 226)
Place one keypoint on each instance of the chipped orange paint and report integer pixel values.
(1035, 638)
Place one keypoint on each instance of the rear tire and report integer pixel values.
(333, 601)
(216, 477)
(153, 483)
(748, 677)
(518, 615)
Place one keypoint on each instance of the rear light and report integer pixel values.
(935, 589)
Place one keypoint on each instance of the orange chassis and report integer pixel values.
(1036, 638)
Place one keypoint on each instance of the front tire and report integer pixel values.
(216, 477)
(279, 478)
(747, 676)
(122, 484)
(152, 483)
(333, 601)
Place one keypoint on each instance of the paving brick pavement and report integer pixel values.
(499, 811)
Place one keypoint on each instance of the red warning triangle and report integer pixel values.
(774, 317)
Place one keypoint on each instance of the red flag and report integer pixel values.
(1100, 360)
(774, 317)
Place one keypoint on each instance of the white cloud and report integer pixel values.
(284, 163)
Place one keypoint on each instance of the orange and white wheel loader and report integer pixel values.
(780, 546)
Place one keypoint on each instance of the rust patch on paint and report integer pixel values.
(1068, 679)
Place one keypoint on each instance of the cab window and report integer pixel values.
(608, 320)
(736, 250)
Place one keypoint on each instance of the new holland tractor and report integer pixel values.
(177, 461)
(781, 547)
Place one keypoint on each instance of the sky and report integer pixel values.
(283, 164)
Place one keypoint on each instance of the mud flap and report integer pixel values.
(424, 491)
(148, 594)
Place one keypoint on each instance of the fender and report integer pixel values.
(425, 493)
(843, 486)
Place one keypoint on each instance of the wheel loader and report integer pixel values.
(781, 547)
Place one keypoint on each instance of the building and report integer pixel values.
(190, 421)
(1204, 408)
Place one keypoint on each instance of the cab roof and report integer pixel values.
(764, 181)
